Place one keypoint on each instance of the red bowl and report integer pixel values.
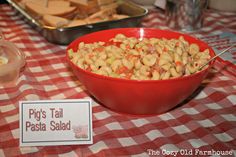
(134, 96)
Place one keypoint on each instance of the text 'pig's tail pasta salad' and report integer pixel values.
(140, 59)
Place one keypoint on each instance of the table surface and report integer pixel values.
(206, 122)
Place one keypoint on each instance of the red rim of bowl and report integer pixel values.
(212, 54)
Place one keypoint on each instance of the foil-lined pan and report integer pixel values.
(64, 36)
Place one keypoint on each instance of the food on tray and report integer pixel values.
(76, 22)
(58, 8)
(86, 7)
(105, 14)
(55, 21)
(140, 59)
(69, 13)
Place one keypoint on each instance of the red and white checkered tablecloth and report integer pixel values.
(204, 125)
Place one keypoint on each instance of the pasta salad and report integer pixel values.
(140, 59)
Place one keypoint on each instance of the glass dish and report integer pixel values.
(11, 62)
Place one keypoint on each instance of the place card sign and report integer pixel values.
(56, 122)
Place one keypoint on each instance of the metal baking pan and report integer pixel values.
(64, 36)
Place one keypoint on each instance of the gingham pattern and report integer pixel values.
(204, 122)
(221, 42)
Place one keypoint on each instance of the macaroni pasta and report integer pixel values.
(146, 59)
